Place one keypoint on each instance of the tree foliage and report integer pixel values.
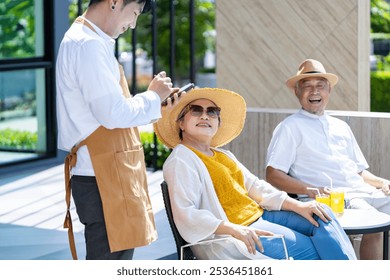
(17, 29)
(204, 24)
(380, 16)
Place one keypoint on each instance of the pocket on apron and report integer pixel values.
(132, 176)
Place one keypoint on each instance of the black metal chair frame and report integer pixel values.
(180, 242)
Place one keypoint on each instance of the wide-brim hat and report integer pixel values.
(311, 68)
(233, 113)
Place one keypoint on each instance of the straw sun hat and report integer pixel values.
(311, 68)
(233, 113)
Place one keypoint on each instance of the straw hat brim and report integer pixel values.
(233, 113)
(329, 76)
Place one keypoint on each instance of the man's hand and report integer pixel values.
(312, 192)
(175, 98)
(162, 85)
(386, 187)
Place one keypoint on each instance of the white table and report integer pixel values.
(355, 221)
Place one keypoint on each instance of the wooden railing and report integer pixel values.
(372, 132)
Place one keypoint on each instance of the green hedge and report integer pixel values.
(380, 91)
(147, 139)
(11, 139)
(16, 139)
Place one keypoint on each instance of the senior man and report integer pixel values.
(309, 146)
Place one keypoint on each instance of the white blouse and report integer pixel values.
(195, 205)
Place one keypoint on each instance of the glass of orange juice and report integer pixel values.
(337, 201)
(323, 198)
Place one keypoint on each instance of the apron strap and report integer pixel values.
(86, 23)
(70, 161)
(71, 158)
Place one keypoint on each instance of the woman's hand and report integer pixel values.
(307, 209)
(248, 235)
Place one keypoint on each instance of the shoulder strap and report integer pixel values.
(70, 161)
(86, 23)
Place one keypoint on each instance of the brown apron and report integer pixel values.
(118, 161)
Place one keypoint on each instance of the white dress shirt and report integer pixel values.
(89, 94)
(306, 146)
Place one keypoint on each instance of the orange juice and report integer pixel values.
(323, 198)
(337, 202)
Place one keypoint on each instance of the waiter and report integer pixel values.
(97, 124)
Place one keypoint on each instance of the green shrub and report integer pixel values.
(380, 91)
(16, 139)
(380, 36)
(147, 139)
(11, 139)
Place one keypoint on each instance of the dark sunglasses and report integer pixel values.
(197, 111)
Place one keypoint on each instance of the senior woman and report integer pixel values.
(213, 194)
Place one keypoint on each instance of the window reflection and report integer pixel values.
(22, 115)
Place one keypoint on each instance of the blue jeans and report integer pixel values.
(89, 208)
(304, 241)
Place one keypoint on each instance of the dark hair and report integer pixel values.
(147, 7)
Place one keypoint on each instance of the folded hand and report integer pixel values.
(307, 209)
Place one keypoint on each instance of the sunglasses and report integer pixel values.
(197, 111)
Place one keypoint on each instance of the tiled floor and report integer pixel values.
(32, 211)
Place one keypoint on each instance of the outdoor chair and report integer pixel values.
(185, 253)
(183, 248)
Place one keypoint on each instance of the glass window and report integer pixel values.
(22, 115)
(21, 29)
(25, 68)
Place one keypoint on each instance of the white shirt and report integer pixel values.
(89, 94)
(306, 146)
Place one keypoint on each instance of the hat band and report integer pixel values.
(313, 72)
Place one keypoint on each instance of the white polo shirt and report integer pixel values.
(305, 146)
(89, 94)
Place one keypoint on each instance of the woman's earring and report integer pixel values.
(113, 7)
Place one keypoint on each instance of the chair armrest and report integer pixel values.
(228, 237)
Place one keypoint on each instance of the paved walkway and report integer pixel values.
(32, 210)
